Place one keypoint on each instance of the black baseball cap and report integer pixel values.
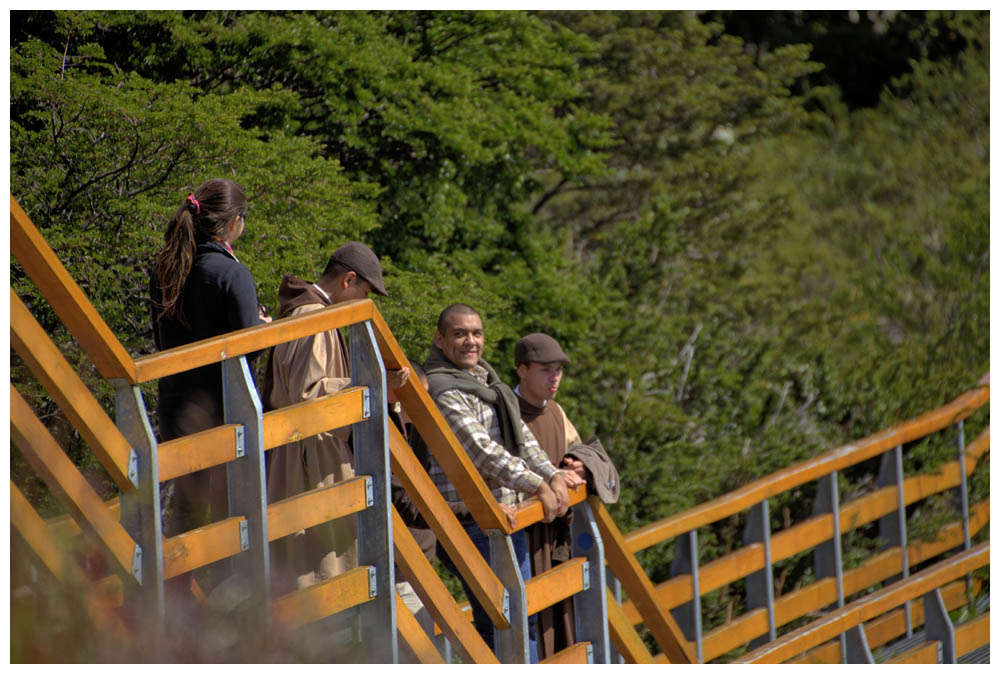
(360, 259)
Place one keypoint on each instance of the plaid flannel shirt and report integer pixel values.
(477, 428)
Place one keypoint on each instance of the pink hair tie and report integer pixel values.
(194, 202)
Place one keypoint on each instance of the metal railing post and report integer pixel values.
(615, 586)
(590, 607)
(371, 457)
(892, 528)
(688, 614)
(248, 495)
(760, 584)
(511, 644)
(963, 490)
(858, 652)
(938, 626)
(827, 558)
(140, 509)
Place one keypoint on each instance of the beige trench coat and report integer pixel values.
(306, 369)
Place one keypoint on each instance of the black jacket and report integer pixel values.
(218, 297)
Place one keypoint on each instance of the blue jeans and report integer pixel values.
(480, 618)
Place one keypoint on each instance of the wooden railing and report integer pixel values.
(850, 618)
(128, 527)
(821, 533)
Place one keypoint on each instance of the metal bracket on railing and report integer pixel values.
(586, 575)
(240, 442)
(505, 604)
(133, 468)
(137, 564)
(244, 535)
(369, 491)
(372, 582)
(366, 404)
(590, 654)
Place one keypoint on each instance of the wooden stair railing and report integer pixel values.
(223, 539)
(870, 607)
(759, 557)
(808, 471)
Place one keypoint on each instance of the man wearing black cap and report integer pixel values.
(308, 368)
(539, 360)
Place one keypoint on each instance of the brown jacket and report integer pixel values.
(301, 370)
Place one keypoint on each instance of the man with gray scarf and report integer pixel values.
(484, 415)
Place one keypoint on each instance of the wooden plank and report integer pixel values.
(950, 535)
(190, 453)
(66, 298)
(924, 654)
(623, 635)
(437, 600)
(439, 437)
(886, 627)
(47, 458)
(972, 634)
(827, 654)
(554, 585)
(808, 471)
(70, 393)
(316, 506)
(639, 588)
(307, 418)
(571, 655)
(198, 547)
(36, 533)
(248, 340)
(822, 593)
(870, 607)
(414, 637)
(322, 599)
(808, 534)
(530, 510)
(450, 533)
(734, 634)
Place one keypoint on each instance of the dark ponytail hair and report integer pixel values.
(203, 215)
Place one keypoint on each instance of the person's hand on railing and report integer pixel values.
(558, 485)
(396, 378)
(550, 506)
(576, 473)
(574, 476)
(511, 513)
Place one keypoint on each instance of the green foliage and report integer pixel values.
(745, 271)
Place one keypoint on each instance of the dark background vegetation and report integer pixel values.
(759, 235)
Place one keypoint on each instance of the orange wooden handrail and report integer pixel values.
(447, 614)
(414, 636)
(68, 390)
(316, 506)
(808, 471)
(450, 533)
(249, 340)
(322, 599)
(74, 309)
(634, 580)
(805, 535)
(871, 606)
(45, 455)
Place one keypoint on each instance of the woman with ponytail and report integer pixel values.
(199, 289)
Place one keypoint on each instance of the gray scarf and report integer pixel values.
(443, 375)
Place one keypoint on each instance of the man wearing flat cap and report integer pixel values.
(539, 360)
(304, 369)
